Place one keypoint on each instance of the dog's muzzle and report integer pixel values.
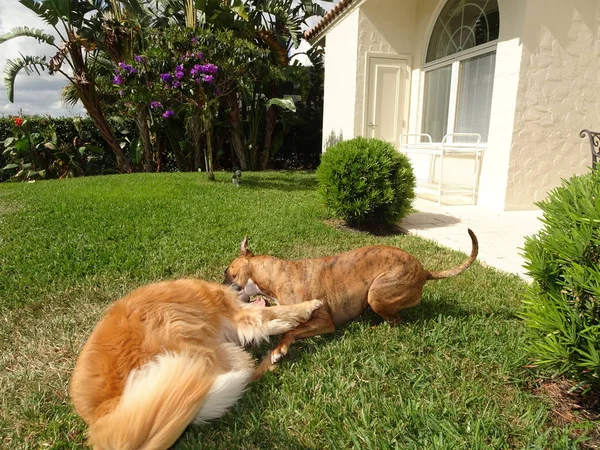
(241, 294)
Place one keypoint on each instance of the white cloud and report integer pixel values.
(33, 94)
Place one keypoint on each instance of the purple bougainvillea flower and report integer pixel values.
(199, 55)
(195, 70)
(168, 113)
(194, 40)
(140, 59)
(166, 77)
(179, 74)
(118, 80)
(176, 84)
(155, 105)
(209, 69)
(179, 68)
(208, 78)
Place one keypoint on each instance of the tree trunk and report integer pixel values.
(269, 130)
(88, 98)
(86, 88)
(141, 120)
(180, 159)
(159, 150)
(235, 129)
(209, 150)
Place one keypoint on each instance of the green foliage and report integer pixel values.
(561, 308)
(58, 147)
(39, 154)
(366, 181)
(27, 63)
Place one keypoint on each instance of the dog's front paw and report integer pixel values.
(277, 355)
(315, 304)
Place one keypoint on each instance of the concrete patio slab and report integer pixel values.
(501, 234)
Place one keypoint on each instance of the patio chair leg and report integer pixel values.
(440, 180)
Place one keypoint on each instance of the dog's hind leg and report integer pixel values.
(320, 323)
(388, 299)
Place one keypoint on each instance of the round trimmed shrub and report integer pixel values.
(562, 305)
(366, 181)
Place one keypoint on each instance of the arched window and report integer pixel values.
(459, 69)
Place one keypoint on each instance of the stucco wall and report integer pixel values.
(558, 95)
(494, 172)
(340, 80)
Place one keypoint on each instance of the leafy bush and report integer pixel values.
(366, 181)
(561, 307)
(34, 147)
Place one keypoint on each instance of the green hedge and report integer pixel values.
(561, 307)
(66, 133)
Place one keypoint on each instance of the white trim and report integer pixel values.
(453, 99)
(434, 17)
(488, 47)
(395, 57)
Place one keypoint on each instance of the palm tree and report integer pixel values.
(277, 26)
(74, 58)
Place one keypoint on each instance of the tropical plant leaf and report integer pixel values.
(69, 95)
(43, 9)
(10, 166)
(239, 8)
(286, 102)
(35, 33)
(13, 66)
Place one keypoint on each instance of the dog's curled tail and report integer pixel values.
(161, 399)
(464, 266)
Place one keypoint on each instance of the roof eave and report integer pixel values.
(350, 6)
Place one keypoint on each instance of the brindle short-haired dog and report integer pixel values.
(385, 278)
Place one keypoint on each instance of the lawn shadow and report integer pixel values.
(379, 230)
(429, 310)
(279, 183)
(249, 419)
(426, 220)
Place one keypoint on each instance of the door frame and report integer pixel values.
(407, 93)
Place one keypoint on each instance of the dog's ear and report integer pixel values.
(244, 246)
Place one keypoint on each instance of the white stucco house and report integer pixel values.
(523, 74)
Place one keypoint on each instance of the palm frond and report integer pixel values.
(13, 66)
(34, 33)
(44, 9)
(69, 95)
(308, 9)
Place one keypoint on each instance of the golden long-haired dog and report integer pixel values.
(167, 355)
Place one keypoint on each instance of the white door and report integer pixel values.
(386, 97)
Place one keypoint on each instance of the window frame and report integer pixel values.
(454, 61)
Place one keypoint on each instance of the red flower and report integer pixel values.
(18, 122)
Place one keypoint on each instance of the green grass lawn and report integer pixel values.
(450, 376)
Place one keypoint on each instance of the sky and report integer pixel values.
(36, 94)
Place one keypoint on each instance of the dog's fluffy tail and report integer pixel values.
(464, 266)
(161, 399)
